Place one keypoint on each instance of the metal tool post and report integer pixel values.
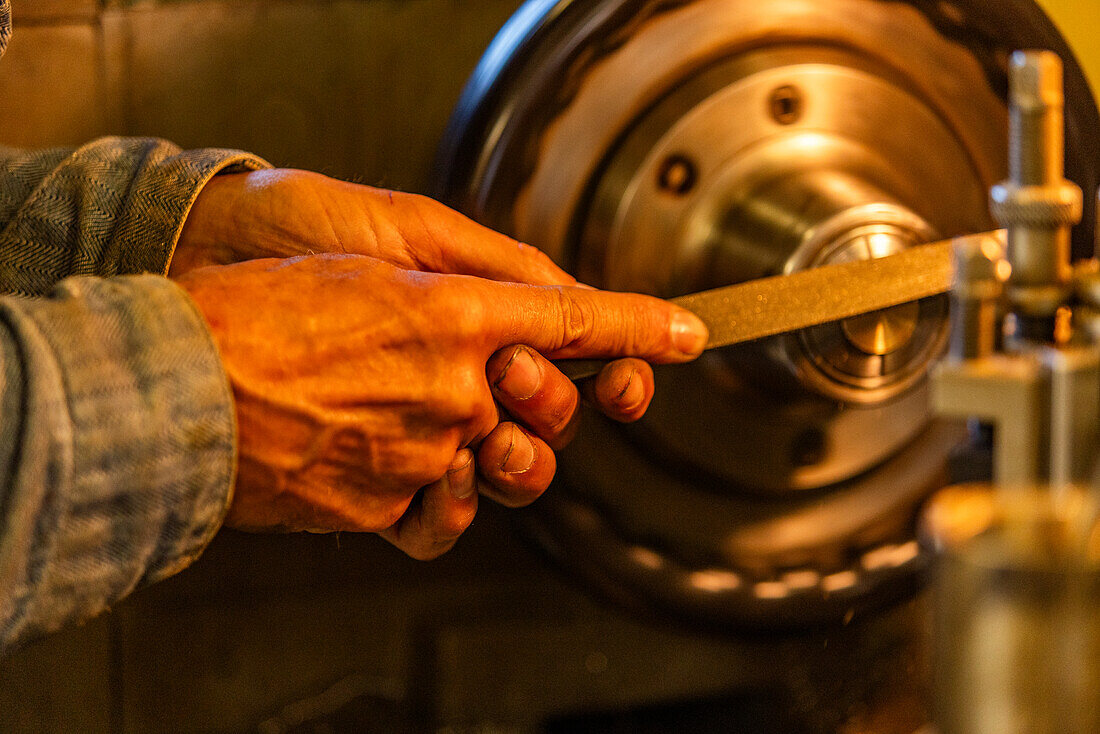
(1018, 585)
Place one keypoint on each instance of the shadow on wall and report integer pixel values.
(359, 89)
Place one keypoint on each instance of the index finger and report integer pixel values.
(446, 241)
(565, 322)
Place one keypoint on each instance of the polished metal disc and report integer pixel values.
(672, 146)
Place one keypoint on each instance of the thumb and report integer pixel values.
(573, 322)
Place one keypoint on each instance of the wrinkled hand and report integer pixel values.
(286, 212)
(358, 383)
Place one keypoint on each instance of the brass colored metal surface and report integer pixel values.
(782, 303)
(1018, 577)
(1015, 630)
(882, 332)
(785, 303)
(671, 148)
(1037, 204)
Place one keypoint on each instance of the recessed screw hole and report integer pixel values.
(677, 175)
(787, 104)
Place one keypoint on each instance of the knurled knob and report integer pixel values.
(1037, 206)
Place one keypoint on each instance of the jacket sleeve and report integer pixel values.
(112, 207)
(117, 435)
(116, 446)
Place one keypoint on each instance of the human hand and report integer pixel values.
(286, 212)
(358, 383)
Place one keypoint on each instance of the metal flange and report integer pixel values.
(637, 142)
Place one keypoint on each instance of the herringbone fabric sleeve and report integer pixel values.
(114, 206)
(116, 447)
(5, 24)
(117, 435)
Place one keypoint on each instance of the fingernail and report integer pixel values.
(461, 487)
(521, 454)
(521, 377)
(632, 395)
(461, 460)
(459, 480)
(689, 334)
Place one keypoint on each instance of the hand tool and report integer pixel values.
(775, 305)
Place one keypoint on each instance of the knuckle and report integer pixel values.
(461, 399)
(421, 465)
(388, 516)
(484, 421)
(469, 405)
(637, 333)
(577, 319)
(436, 466)
(471, 387)
(465, 312)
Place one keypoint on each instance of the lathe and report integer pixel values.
(756, 554)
